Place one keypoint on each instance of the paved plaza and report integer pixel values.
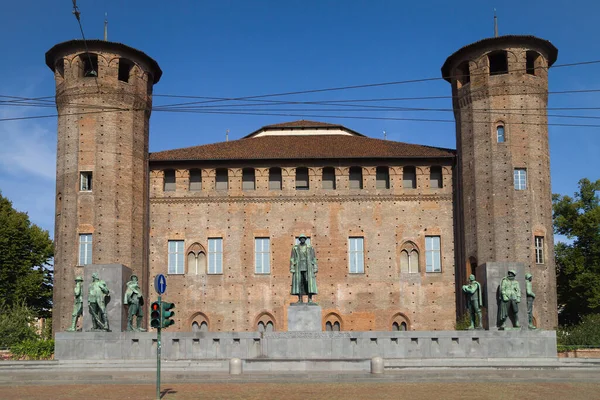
(572, 383)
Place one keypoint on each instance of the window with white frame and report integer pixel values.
(85, 248)
(262, 256)
(215, 255)
(85, 181)
(176, 257)
(356, 255)
(433, 256)
(520, 179)
(539, 249)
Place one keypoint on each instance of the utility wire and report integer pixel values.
(77, 15)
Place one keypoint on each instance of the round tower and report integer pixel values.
(503, 197)
(104, 100)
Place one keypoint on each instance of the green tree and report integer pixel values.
(578, 263)
(25, 254)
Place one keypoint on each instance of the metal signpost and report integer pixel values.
(156, 321)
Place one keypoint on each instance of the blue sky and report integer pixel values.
(245, 48)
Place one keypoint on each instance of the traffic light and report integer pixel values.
(167, 314)
(155, 315)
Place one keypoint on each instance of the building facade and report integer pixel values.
(396, 227)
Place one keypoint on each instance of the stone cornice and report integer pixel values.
(304, 199)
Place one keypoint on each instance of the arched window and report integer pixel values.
(333, 322)
(199, 322)
(302, 178)
(125, 67)
(532, 62)
(463, 75)
(275, 178)
(89, 65)
(498, 62)
(500, 134)
(356, 178)
(399, 323)
(169, 180)
(436, 178)
(222, 179)
(248, 179)
(382, 178)
(196, 259)
(409, 258)
(265, 322)
(328, 178)
(409, 177)
(195, 180)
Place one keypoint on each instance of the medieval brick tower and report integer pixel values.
(104, 100)
(503, 207)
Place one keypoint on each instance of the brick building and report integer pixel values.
(396, 227)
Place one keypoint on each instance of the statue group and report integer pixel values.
(509, 297)
(99, 296)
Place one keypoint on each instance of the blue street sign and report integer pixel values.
(160, 283)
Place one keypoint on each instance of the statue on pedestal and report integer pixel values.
(303, 267)
(97, 303)
(77, 304)
(510, 297)
(474, 303)
(135, 301)
(530, 299)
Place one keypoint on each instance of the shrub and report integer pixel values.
(16, 325)
(463, 323)
(33, 350)
(586, 334)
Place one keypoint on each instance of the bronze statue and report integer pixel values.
(510, 297)
(303, 266)
(530, 299)
(77, 304)
(474, 303)
(133, 298)
(97, 303)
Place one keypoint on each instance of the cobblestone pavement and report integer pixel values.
(304, 391)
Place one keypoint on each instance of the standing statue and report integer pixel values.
(77, 304)
(303, 267)
(474, 303)
(530, 299)
(510, 297)
(133, 298)
(97, 303)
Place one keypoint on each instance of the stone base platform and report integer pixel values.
(306, 345)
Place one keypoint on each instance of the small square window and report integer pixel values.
(85, 181)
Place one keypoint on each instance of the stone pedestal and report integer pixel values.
(489, 276)
(115, 276)
(304, 318)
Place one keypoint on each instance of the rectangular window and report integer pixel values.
(275, 179)
(328, 179)
(85, 181)
(356, 255)
(500, 133)
(435, 178)
(215, 255)
(176, 257)
(169, 184)
(301, 178)
(262, 256)
(539, 249)
(382, 178)
(409, 178)
(85, 249)
(248, 180)
(520, 179)
(433, 254)
(195, 180)
(355, 178)
(222, 179)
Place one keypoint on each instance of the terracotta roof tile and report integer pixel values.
(302, 147)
